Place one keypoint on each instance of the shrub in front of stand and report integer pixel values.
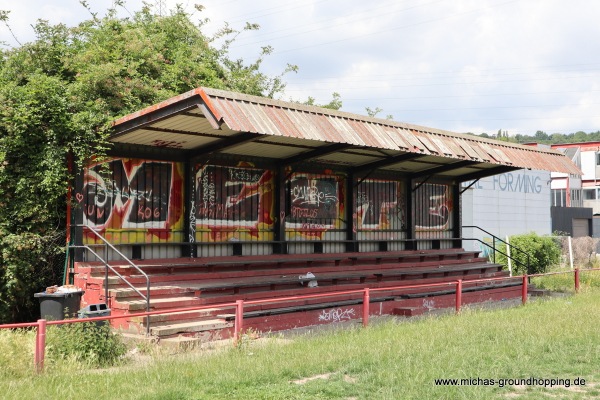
(543, 252)
(87, 342)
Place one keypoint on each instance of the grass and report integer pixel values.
(565, 282)
(557, 338)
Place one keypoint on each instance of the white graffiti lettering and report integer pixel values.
(428, 304)
(337, 315)
(311, 195)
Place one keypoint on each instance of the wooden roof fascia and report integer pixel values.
(125, 125)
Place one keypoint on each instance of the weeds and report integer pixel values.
(87, 343)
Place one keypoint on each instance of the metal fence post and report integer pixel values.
(40, 345)
(366, 302)
(458, 295)
(524, 289)
(238, 325)
(576, 280)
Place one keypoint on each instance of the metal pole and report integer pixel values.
(238, 325)
(508, 259)
(576, 280)
(40, 345)
(458, 295)
(570, 252)
(366, 302)
(524, 289)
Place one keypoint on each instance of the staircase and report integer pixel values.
(185, 282)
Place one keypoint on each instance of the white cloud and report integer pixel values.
(464, 65)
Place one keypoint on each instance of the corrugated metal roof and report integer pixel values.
(229, 113)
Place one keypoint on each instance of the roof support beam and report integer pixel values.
(468, 187)
(443, 168)
(318, 152)
(387, 161)
(487, 172)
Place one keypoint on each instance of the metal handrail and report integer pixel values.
(494, 237)
(107, 267)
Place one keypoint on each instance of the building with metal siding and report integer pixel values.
(507, 204)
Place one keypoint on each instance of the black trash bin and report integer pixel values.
(59, 305)
(95, 310)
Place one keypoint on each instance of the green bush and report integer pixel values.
(543, 252)
(86, 342)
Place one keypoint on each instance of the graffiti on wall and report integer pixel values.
(380, 205)
(315, 204)
(129, 194)
(233, 203)
(433, 207)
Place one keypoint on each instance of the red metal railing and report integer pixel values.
(41, 324)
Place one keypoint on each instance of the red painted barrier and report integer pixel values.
(238, 325)
(40, 346)
(524, 289)
(458, 295)
(366, 303)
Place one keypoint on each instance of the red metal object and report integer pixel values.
(239, 320)
(576, 280)
(458, 295)
(40, 345)
(366, 302)
(524, 289)
(239, 308)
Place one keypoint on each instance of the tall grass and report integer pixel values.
(557, 338)
(565, 282)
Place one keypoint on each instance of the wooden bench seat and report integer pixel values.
(334, 278)
(446, 270)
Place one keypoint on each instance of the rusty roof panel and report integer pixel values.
(454, 146)
(471, 153)
(415, 145)
(428, 144)
(483, 155)
(442, 146)
(396, 136)
(237, 112)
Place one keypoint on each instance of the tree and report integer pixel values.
(541, 136)
(334, 104)
(58, 96)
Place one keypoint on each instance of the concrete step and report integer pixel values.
(155, 304)
(156, 291)
(187, 327)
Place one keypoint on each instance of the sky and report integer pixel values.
(461, 65)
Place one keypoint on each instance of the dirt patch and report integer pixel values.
(312, 378)
(347, 378)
